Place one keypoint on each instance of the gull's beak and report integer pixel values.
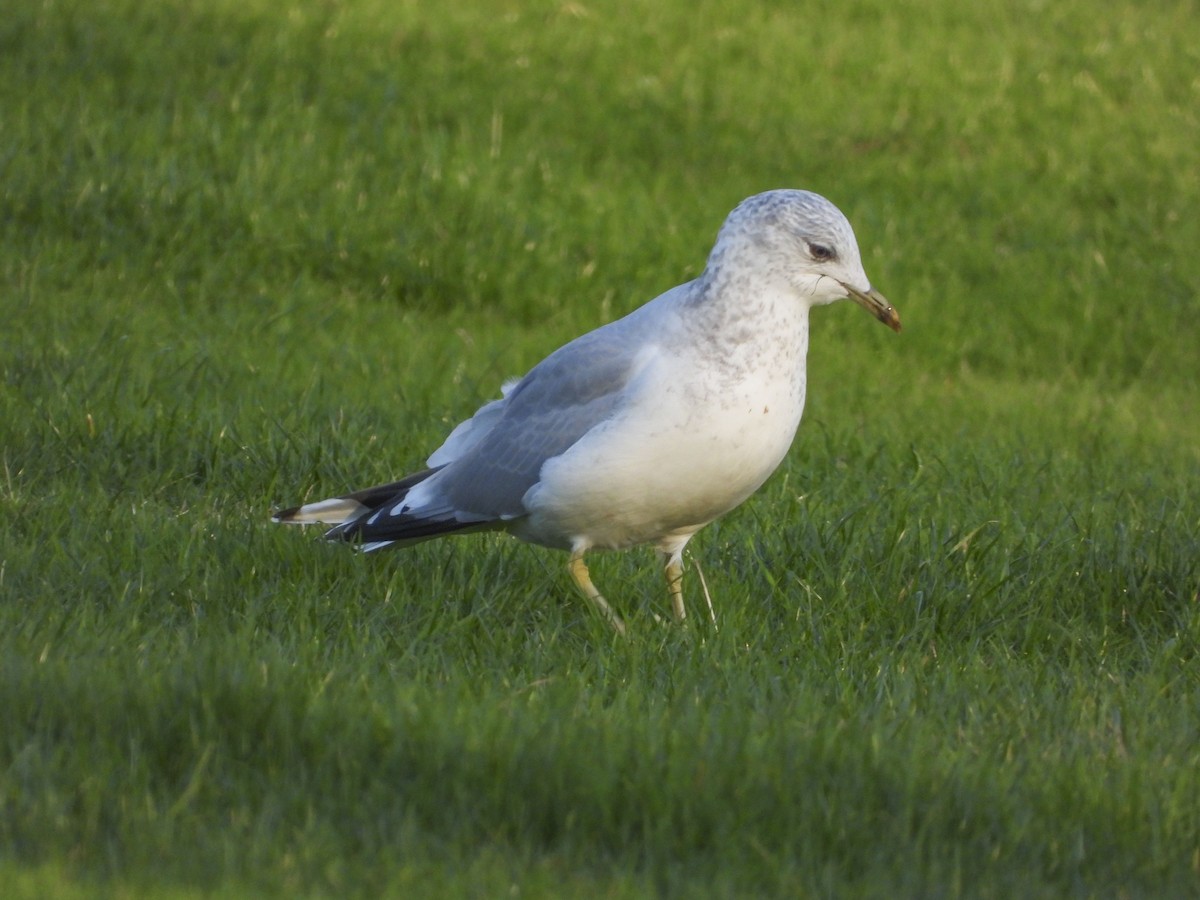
(876, 304)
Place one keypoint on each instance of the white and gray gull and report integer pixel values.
(648, 428)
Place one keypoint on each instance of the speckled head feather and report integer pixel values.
(793, 237)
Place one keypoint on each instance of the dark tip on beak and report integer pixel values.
(876, 304)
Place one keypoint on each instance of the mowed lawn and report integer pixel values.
(256, 253)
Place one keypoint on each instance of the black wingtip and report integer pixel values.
(284, 515)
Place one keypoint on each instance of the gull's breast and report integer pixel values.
(673, 460)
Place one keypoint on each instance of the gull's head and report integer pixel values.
(804, 240)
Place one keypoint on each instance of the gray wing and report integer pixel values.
(566, 395)
(467, 434)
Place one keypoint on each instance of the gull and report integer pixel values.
(648, 428)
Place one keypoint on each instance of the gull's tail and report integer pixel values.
(379, 516)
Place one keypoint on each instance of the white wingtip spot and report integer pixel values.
(333, 511)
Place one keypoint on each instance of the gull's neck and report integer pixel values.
(746, 312)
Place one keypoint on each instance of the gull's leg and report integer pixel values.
(579, 573)
(674, 573)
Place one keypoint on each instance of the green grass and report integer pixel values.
(253, 253)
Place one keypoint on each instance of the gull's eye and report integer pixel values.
(821, 252)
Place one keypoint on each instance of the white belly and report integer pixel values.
(672, 462)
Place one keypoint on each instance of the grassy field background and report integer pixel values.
(254, 253)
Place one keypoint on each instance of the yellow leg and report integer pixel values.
(583, 581)
(674, 572)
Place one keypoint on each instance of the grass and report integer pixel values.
(252, 254)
